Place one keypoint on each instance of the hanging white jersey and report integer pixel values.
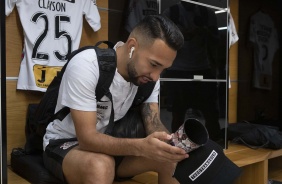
(263, 35)
(138, 9)
(233, 36)
(52, 30)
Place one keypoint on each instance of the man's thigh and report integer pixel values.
(55, 153)
(66, 161)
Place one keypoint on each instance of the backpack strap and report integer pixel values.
(107, 70)
(107, 67)
(62, 113)
(143, 93)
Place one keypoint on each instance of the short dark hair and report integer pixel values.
(154, 27)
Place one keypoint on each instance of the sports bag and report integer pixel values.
(255, 135)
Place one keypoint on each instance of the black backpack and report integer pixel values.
(40, 115)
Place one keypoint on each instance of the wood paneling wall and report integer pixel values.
(18, 100)
(233, 66)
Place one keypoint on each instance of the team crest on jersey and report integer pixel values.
(44, 75)
(70, 1)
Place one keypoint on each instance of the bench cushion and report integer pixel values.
(31, 168)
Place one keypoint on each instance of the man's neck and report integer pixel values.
(122, 61)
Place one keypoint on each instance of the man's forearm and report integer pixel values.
(151, 118)
(102, 143)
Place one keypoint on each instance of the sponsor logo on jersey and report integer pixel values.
(204, 166)
(44, 75)
(102, 106)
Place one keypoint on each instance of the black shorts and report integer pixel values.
(55, 153)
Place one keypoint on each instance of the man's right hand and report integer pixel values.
(155, 147)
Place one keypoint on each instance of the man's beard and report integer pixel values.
(132, 74)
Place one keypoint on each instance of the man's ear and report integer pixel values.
(131, 42)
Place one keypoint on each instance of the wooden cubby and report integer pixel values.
(258, 166)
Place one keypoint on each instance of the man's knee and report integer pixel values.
(102, 162)
(102, 166)
(89, 168)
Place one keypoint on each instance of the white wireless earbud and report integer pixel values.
(131, 52)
